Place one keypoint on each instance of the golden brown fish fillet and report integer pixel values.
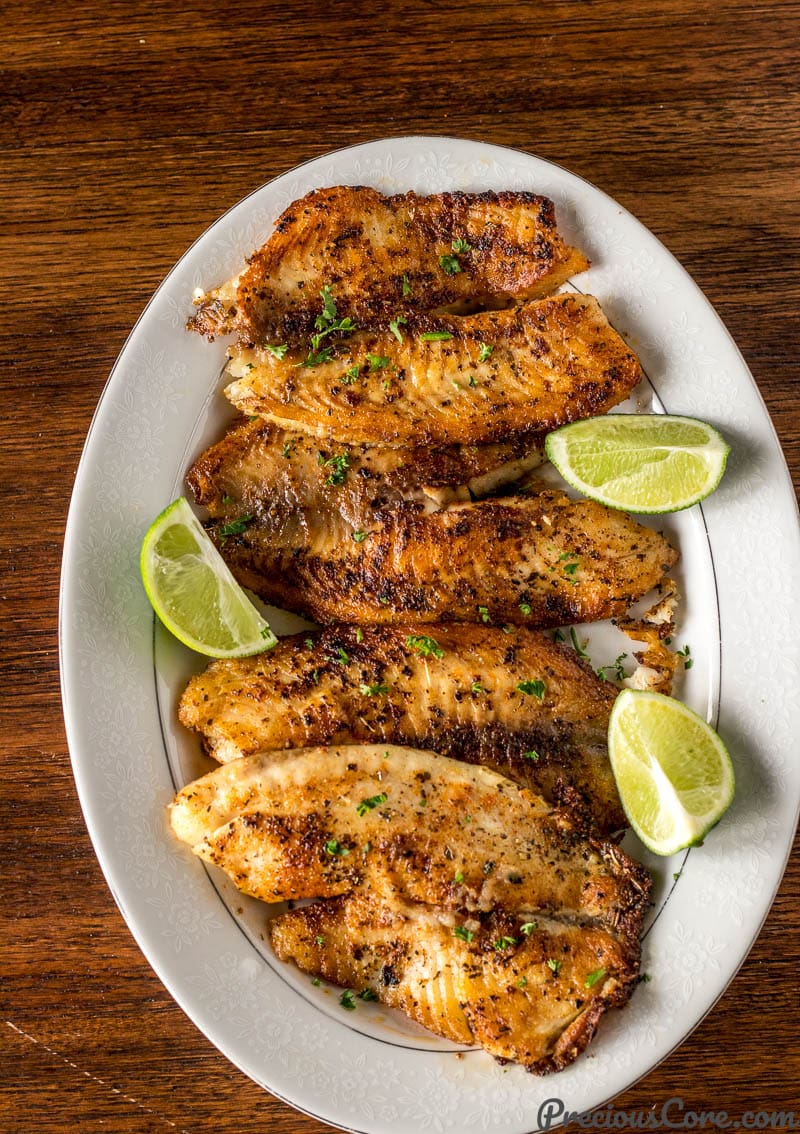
(525, 370)
(259, 469)
(542, 560)
(383, 256)
(320, 822)
(525, 987)
(450, 689)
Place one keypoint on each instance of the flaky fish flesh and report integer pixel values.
(321, 822)
(526, 987)
(384, 256)
(285, 479)
(446, 380)
(539, 560)
(458, 690)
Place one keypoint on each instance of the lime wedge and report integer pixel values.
(674, 774)
(646, 463)
(193, 592)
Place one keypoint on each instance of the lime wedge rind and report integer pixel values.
(673, 772)
(649, 464)
(193, 592)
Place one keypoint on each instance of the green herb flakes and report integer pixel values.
(532, 688)
(373, 690)
(428, 647)
(371, 803)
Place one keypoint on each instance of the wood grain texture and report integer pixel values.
(125, 129)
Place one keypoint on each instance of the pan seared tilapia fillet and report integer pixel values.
(459, 896)
(319, 822)
(279, 475)
(459, 698)
(532, 995)
(381, 257)
(526, 370)
(542, 560)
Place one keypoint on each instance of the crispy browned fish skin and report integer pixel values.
(318, 822)
(365, 246)
(346, 684)
(567, 560)
(526, 1000)
(551, 362)
(263, 470)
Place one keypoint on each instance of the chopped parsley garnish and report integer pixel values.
(525, 607)
(462, 933)
(377, 361)
(553, 965)
(688, 662)
(346, 1000)
(594, 977)
(472, 382)
(459, 876)
(558, 636)
(316, 981)
(359, 536)
(435, 336)
(235, 527)
(532, 688)
(287, 450)
(531, 755)
(341, 656)
(450, 265)
(616, 666)
(309, 643)
(486, 352)
(367, 994)
(505, 943)
(528, 927)
(227, 500)
(406, 286)
(372, 802)
(457, 385)
(338, 466)
(359, 634)
(645, 978)
(522, 982)
(477, 687)
(334, 847)
(373, 690)
(394, 327)
(317, 357)
(483, 611)
(677, 875)
(461, 245)
(250, 365)
(349, 376)
(571, 568)
(428, 647)
(579, 650)
(319, 939)
(277, 351)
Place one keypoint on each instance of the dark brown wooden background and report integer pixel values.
(126, 129)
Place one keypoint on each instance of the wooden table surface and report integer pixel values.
(127, 128)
